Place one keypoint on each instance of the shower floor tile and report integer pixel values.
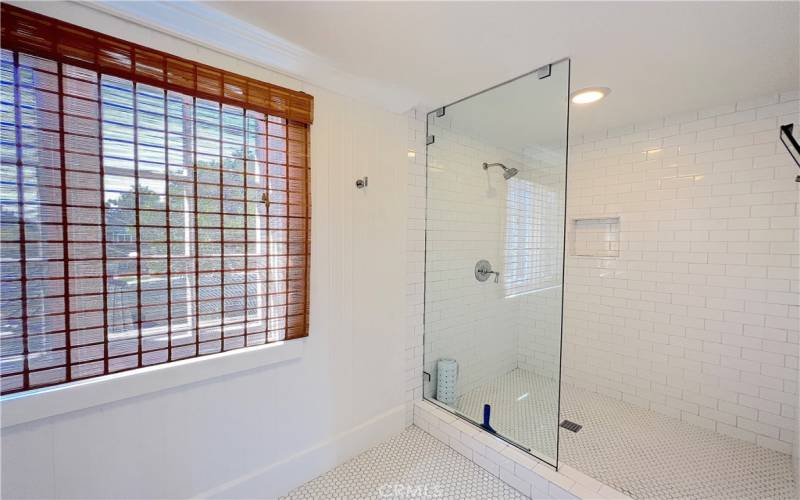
(413, 464)
(637, 451)
(524, 409)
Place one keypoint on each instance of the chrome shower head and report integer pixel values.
(507, 172)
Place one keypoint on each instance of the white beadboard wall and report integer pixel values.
(261, 432)
(698, 316)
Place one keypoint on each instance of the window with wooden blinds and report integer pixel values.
(152, 208)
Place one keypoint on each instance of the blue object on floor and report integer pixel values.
(487, 415)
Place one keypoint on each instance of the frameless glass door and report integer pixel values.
(496, 184)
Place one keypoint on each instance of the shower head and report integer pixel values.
(507, 172)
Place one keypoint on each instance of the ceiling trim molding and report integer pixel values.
(207, 27)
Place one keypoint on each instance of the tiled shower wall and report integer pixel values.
(467, 320)
(415, 259)
(490, 328)
(539, 305)
(697, 317)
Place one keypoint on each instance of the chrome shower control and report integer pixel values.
(483, 269)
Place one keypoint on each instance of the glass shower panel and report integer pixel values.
(496, 183)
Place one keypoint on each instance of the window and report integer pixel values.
(152, 209)
(533, 234)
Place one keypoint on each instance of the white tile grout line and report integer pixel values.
(523, 472)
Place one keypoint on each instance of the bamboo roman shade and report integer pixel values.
(152, 208)
(34, 34)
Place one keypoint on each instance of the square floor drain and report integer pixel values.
(571, 426)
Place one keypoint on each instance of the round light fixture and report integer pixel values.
(589, 95)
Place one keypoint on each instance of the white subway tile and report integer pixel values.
(736, 117)
(774, 444)
(757, 102)
(515, 481)
(694, 318)
(716, 111)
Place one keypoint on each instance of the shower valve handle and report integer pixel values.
(496, 275)
(483, 269)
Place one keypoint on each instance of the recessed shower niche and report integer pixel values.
(595, 237)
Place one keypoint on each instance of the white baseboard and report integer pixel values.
(279, 478)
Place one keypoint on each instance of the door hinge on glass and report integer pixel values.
(430, 140)
(544, 72)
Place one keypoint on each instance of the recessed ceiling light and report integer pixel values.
(589, 94)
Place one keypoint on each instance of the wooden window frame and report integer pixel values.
(280, 175)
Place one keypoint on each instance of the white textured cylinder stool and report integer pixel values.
(446, 378)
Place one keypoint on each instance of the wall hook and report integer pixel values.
(362, 183)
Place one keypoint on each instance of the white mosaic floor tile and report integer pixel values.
(411, 465)
(638, 451)
(524, 409)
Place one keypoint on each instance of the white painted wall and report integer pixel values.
(698, 316)
(261, 432)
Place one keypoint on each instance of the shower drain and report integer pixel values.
(571, 426)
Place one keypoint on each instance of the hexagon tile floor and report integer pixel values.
(631, 449)
(646, 454)
(412, 464)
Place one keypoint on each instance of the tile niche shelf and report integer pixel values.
(595, 237)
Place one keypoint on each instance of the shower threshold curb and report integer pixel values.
(521, 471)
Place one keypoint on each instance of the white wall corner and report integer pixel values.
(202, 25)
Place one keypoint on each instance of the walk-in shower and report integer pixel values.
(494, 257)
(678, 377)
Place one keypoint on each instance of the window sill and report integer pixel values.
(50, 401)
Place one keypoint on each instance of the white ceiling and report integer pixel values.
(658, 58)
